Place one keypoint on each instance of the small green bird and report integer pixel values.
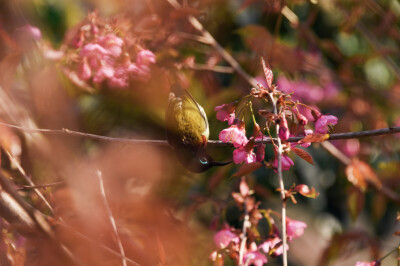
(188, 131)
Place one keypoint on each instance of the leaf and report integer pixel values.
(360, 174)
(314, 138)
(355, 202)
(246, 169)
(303, 155)
(269, 76)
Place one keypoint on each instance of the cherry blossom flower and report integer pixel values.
(84, 70)
(235, 135)
(225, 112)
(254, 258)
(294, 228)
(223, 238)
(145, 58)
(105, 71)
(286, 162)
(323, 122)
(271, 246)
(112, 44)
(241, 154)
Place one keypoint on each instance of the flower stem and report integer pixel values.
(280, 177)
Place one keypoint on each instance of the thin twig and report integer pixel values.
(29, 181)
(219, 69)
(98, 244)
(210, 39)
(280, 177)
(55, 184)
(336, 136)
(246, 224)
(110, 216)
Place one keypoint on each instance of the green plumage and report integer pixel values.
(186, 121)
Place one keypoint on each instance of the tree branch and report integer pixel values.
(111, 218)
(336, 136)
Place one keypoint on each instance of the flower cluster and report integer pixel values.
(98, 55)
(291, 119)
(249, 246)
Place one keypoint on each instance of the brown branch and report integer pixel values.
(336, 136)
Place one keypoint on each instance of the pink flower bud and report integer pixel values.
(260, 152)
(283, 129)
(286, 162)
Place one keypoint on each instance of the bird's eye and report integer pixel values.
(203, 160)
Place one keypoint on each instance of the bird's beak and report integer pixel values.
(220, 164)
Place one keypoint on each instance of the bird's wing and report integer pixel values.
(188, 99)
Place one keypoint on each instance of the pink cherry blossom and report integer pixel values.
(254, 258)
(286, 162)
(225, 112)
(271, 245)
(323, 123)
(223, 238)
(84, 71)
(240, 155)
(235, 135)
(145, 58)
(105, 71)
(93, 50)
(294, 228)
(112, 44)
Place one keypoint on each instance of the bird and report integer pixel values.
(187, 131)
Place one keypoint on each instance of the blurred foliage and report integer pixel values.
(350, 45)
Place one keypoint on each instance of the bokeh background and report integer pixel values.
(342, 56)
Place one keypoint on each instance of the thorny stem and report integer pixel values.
(111, 218)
